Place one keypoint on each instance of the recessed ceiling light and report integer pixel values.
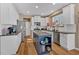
(28, 11)
(36, 6)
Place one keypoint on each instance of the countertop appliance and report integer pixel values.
(9, 30)
(12, 30)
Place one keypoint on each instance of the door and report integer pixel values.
(28, 28)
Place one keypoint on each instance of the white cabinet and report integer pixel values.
(67, 28)
(63, 41)
(4, 13)
(10, 44)
(8, 14)
(35, 19)
(13, 15)
(67, 41)
(43, 22)
(68, 14)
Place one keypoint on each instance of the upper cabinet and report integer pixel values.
(8, 14)
(13, 15)
(4, 13)
(35, 19)
(39, 19)
(43, 22)
(68, 14)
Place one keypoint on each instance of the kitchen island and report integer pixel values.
(39, 37)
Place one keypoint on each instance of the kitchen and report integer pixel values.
(46, 23)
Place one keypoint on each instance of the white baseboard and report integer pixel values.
(77, 48)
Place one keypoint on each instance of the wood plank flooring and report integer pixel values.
(61, 51)
(27, 48)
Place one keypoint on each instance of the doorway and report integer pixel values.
(27, 26)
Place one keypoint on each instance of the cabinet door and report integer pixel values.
(71, 41)
(12, 15)
(68, 14)
(8, 45)
(63, 41)
(43, 22)
(4, 13)
(8, 14)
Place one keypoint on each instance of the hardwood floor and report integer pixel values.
(61, 51)
(27, 48)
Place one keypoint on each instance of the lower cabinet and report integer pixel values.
(67, 41)
(63, 41)
(10, 44)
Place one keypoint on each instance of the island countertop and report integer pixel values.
(40, 32)
(51, 31)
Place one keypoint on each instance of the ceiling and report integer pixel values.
(42, 9)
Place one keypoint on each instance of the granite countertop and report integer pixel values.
(39, 32)
(11, 34)
(67, 32)
(64, 32)
(45, 30)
